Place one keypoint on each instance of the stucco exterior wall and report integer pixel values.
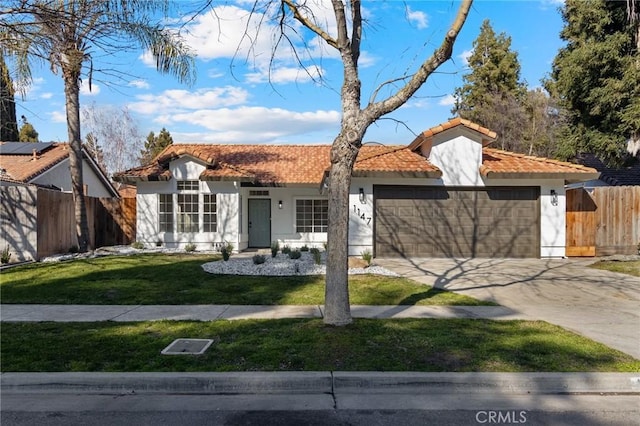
(19, 222)
(60, 176)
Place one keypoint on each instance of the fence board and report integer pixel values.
(616, 226)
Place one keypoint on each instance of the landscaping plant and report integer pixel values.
(275, 247)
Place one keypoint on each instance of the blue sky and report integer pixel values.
(233, 100)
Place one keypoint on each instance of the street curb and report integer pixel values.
(322, 383)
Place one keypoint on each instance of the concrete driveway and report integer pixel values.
(601, 305)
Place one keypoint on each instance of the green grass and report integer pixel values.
(309, 345)
(629, 267)
(156, 279)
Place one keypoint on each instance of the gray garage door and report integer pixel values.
(451, 222)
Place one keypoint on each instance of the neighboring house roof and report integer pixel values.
(504, 164)
(22, 162)
(618, 176)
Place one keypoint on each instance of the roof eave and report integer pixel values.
(567, 176)
(431, 174)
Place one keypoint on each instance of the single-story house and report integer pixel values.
(36, 204)
(446, 194)
(627, 175)
(46, 165)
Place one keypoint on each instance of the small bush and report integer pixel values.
(5, 256)
(75, 249)
(304, 248)
(259, 259)
(190, 247)
(159, 243)
(367, 256)
(226, 250)
(295, 254)
(317, 257)
(138, 245)
(325, 246)
(275, 247)
(286, 249)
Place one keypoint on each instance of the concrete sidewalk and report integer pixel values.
(124, 313)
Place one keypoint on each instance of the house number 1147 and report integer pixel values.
(361, 215)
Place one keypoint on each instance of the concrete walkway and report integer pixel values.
(601, 305)
(123, 313)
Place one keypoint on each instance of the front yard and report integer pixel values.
(161, 279)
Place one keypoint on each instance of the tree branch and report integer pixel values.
(310, 25)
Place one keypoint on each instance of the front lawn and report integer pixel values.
(295, 344)
(161, 279)
(631, 267)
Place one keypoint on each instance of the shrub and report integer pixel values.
(367, 256)
(295, 254)
(226, 250)
(304, 248)
(5, 256)
(190, 247)
(259, 259)
(138, 245)
(317, 257)
(75, 249)
(159, 243)
(286, 249)
(275, 247)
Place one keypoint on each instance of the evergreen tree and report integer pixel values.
(154, 145)
(492, 94)
(8, 122)
(27, 132)
(597, 77)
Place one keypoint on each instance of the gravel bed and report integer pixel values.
(282, 265)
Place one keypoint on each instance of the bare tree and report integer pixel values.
(115, 133)
(356, 119)
(68, 34)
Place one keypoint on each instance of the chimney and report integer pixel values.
(35, 155)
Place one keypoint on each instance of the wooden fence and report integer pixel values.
(39, 222)
(603, 221)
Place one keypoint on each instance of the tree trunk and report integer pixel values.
(72, 100)
(337, 307)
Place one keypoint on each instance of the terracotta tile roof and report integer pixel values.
(279, 164)
(24, 168)
(497, 163)
(397, 160)
(428, 134)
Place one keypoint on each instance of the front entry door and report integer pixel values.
(259, 222)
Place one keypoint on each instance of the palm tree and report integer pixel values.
(68, 34)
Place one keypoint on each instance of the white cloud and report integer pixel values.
(46, 95)
(420, 19)
(286, 75)
(448, 100)
(465, 56)
(139, 84)
(254, 124)
(58, 116)
(84, 88)
(178, 100)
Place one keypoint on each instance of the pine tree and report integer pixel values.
(598, 79)
(8, 122)
(492, 94)
(154, 145)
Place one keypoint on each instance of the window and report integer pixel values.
(165, 213)
(188, 185)
(209, 217)
(311, 215)
(187, 213)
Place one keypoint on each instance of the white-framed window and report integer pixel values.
(165, 212)
(189, 211)
(312, 215)
(209, 213)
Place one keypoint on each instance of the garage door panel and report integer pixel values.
(498, 222)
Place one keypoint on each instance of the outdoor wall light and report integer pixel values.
(554, 197)
(361, 196)
(280, 204)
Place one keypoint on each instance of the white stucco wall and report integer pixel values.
(458, 156)
(60, 176)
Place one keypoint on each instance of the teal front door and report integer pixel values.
(259, 223)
